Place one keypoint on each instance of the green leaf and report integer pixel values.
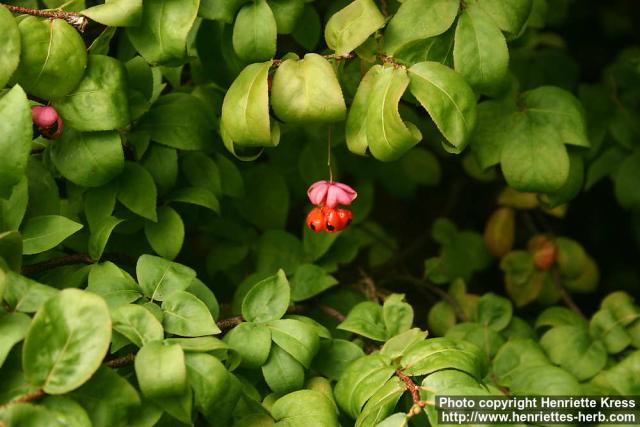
(29, 415)
(309, 405)
(89, 159)
(45, 232)
(266, 202)
(201, 171)
(267, 300)
(137, 191)
(161, 370)
(100, 101)
(515, 355)
(510, 16)
(187, 316)
(447, 98)
(167, 235)
(282, 372)
(366, 319)
(572, 186)
(11, 250)
(417, 20)
(179, 120)
(396, 420)
(13, 208)
(388, 136)
(492, 131)
(480, 52)
(493, 311)
(161, 37)
(245, 110)
(397, 315)
(356, 127)
(361, 380)
(116, 287)
(15, 138)
(297, 338)
(382, 403)
(109, 399)
(224, 10)
(308, 29)
(552, 106)
(100, 236)
(232, 181)
(351, 26)
(208, 378)
(10, 49)
(310, 280)
(254, 355)
(534, 158)
(68, 338)
(53, 57)
(67, 411)
(116, 13)
(159, 277)
(605, 326)
(278, 249)
(162, 164)
(255, 32)
(26, 295)
(196, 196)
(334, 356)
(287, 14)
(398, 344)
(307, 90)
(626, 181)
(13, 329)
(425, 357)
(574, 350)
(137, 324)
(480, 335)
(545, 380)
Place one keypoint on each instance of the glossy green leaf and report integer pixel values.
(26, 295)
(245, 110)
(201, 171)
(297, 338)
(137, 324)
(397, 315)
(255, 32)
(308, 29)
(116, 13)
(362, 379)
(310, 280)
(356, 127)
(493, 311)
(90, 159)
(309, 405)
(334, 356)
(224, 10)
(161, 370)
(509, 16)
(196, 196)
(208, 378)
(10, 50)
(67, 411)
(179, 120)
(534, 158)
(418, 19)
(45, 232)
(100, 236)
(137, 191)
(100, 101)
(605, 326)
(15, 138)
(266, 202)
(366, 319)
(11, 249)
(53, 57)
(492, 131)
(254, 355)
(268, 299)
(278, 249)
(447, 98)
(307, 90)
(187, 316)
(109, 399)
(29, 415)
(13, 329)
(67, 340)
(282, 372)
(167, 235)
(113, 285)
(425, 357)
(480, 52)
(287, 14)
(161, 37)
(382, 403)
(159, 277)
(352, 25)
(162, 164)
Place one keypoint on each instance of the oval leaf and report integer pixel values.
(42, 233)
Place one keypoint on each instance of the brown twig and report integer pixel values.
(229, 323)
(414, 389)
(369, 286)
(332, 312)
(77, 20)
(557, 280)
(39, 267)
(119, 362)
(29, 397)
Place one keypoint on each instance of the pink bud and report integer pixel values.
(331, 194)
(44, 116)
